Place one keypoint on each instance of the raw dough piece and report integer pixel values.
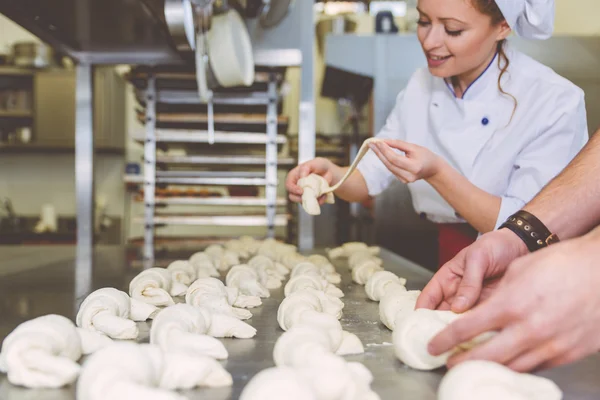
(361, 153)
(107, 311)
(322, 262)
(183, 272)
(474, 380)
(308, 268)
(306, 342)
(314, 186)
(127, 371)
(347, 249)
(269, 275)
(311, 281)
(182, 328)
(42, 353)
(364, 271)
(246, 280)
(396, 304)
(304, 305)
(414, 332)
(141, 311)
(356, 259)
(290, 260)
(210, 293)
(209, 323)
(154, 286)
(278, 384)
(382, 281)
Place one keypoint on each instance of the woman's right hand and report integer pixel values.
(319, 166)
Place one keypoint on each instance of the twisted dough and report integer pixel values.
(155, 286)
(107, 311)
(305, 343)
(183, 272)
(222, 259)
(347, 249)
(382, 281)
(311, 281)
(364, 271)
(43, 352)
(322, 262)
(183, 328)
(414, 332)
(474, 380)
(304, 305)
(308, 268)
(142, 371)
(396, 304)
(314, 186)
(246, 280)
(210, 293)
(332, 380)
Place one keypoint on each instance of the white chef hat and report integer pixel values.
(531, 19)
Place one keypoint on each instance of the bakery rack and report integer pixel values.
(187, 164)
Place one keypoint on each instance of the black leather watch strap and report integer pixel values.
(531, 230)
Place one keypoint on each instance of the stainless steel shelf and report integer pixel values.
(200, 181)
(201, 136)
(220, 160)
(15, 114)
(216, 220)
(217, 201)
(210, 174)
(191, 97)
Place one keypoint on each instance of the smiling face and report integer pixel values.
(457, 38)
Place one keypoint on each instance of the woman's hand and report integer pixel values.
(319, 166)
(416, 163)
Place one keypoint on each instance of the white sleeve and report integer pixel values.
(546, 155)
(376, 174)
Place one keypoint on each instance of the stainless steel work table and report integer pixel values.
(39, 280)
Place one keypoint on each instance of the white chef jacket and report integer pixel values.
(510, 158)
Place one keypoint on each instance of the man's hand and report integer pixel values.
(546, 310)
(473, 274)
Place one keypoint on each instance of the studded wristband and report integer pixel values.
(531, 230)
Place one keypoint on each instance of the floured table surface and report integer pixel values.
(57, 286)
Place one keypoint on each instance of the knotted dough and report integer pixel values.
(155, 286)
(210, 293)
(314, 186)
(474, 380)
(382, 281)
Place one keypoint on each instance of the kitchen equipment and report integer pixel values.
(32, 55)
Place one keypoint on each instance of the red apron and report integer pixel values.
(452, 238)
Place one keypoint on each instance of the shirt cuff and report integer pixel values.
(508, 207)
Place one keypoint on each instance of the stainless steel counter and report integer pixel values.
(38, 281)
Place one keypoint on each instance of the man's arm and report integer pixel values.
(570, 204)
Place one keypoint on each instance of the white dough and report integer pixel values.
(42, 353)
(382, 281)
(397, 303)
(308, 268)
(183, 272)
(347, 249)
(278, 384)
(210, 293)
(314, 186)
(311, 281)
(304, 303)
(126, 371)
(183, 328)
(363, 271)
(107, 311)
(246, 280)
(153, 286)
(474, 380)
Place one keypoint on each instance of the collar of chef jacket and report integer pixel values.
(463, 127)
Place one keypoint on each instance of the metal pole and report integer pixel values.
(149, 172)
(271, 154)
(306, 125)
(84, 179)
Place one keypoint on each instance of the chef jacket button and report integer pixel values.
(423, 215)
(485, 121)
(457, 215)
